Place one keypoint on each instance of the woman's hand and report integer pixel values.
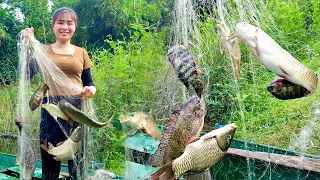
(28, 32)
(87, 92)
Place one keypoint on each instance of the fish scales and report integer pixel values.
(190, 120)
(198, 156)
(79, 116)
(37, 97)
(231, 45)
(55, 111)
(284, 89)
(275, 58)
(158, 157)
(185, 67)
(67, 150)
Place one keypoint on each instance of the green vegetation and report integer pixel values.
(128, 46)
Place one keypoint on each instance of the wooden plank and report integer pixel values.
(298, 162)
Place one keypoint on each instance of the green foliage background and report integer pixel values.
(128, 41)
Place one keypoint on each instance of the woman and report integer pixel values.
(75, 63)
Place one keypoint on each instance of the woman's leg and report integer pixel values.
(49, 132)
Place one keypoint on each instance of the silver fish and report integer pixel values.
(275, 58)
(55, 112)
(67, 149)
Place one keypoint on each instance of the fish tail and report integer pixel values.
(164, 173)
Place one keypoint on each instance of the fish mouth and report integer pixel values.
(270, 88)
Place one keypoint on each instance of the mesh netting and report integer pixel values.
(34, 59)
(291, 125)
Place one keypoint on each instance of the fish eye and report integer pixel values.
(229, 137)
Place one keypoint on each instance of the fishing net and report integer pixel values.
(35, 63)
(265, 123)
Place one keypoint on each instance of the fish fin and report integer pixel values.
(50, 145)
(198, 70)
(70, 122)
(59, 144)
(198, 87)
(208, 136)
(164, 173)
(144, 130)
(193, 139)
(132, 131)
(221, 47)
(255, 51)
(285, 72)
(232, 39)
(44, 147)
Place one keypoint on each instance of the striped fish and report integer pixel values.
(284, 89)
(185, 67)
(37, 97)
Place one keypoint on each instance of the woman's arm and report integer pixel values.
(88, 90)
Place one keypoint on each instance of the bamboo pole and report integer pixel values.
(298, 162)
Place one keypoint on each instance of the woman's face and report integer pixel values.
(64, 27)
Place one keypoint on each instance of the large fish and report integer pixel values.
(183, 125)
(185, 67)
(56, 112)
(275, 58)
(66, 150)
(37, 97)
(284, 89)
(28, 159)
(230, 43)
(142, 122)
(79, 116)
(199, 155)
